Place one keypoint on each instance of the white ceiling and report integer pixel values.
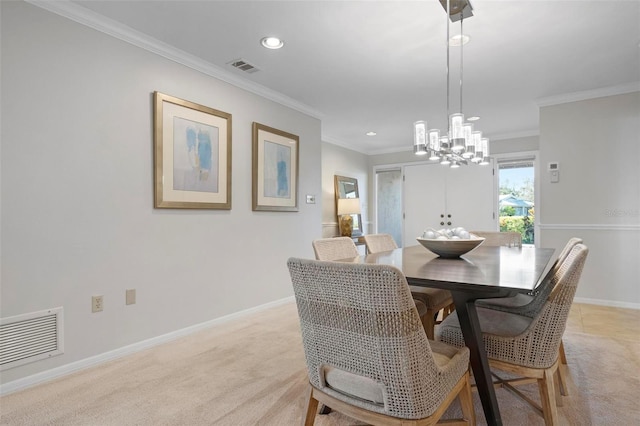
(381, 65)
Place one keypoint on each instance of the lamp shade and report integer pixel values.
(348, 206)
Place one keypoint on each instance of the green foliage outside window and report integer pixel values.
(507, 211)
(521, 224)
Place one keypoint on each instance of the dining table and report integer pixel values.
(484, 272)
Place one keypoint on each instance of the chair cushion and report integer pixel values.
(442, 352)
(431, 297)
(353, 385)
(491, 321)
(516, 301)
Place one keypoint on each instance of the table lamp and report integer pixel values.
(347, 207)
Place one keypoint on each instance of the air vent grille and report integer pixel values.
(30, 337)
(243, 65)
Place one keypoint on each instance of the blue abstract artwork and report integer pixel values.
(277, 170)
(195, 156)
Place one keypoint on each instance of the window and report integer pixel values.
(516, 196)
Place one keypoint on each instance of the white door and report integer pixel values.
(471, 198)
(424, 200)
(441, 197)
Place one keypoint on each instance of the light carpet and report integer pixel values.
(252, 372)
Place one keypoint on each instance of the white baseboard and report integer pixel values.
(93, 361)
(612, 303)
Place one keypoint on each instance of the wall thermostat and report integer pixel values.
(554, 172)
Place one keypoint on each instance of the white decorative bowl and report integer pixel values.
(450, 248)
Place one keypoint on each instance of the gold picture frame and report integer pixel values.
(192, 155)
(274, 169)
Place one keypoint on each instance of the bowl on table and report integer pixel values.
(450, 248)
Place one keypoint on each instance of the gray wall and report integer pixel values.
(77, 194)
(341, 161)
(597, 145)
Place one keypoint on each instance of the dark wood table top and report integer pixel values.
(488, 271)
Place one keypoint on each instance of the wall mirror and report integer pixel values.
(346, 187)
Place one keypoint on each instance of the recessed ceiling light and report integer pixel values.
(459, 40)
(474, 118)
(371, 133)
(272, 42)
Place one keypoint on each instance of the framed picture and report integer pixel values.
(275, 169)
(192, 155)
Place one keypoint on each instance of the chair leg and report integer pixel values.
(448, 310)
(429, 324)
(562, 366)
(466, 402)
(557, 387)
(562, 380)
(563, 357)
(547, 397)
(312, 407)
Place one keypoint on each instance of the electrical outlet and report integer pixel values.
(97, 303)
(130, 297)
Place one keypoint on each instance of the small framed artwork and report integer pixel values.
(192, 155)
(275, 169)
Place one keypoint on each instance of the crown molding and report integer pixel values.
(122, 32)
(394, 150)
(589, 94)
(516, 135)
(337, 142)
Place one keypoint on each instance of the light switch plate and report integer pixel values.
(130, 296)
(311, 199)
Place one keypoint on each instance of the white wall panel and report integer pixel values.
(597, 146)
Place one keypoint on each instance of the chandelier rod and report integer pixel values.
(461, 56)
(447, 41)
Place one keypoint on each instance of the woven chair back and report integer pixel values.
(494, 238)
(379, 242)
(541, 293)
(335, 248)
(538, 346)
(565, 251)
(360, 318)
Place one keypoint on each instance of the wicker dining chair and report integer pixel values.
(528, 347)
(530, 304)
(367, 354)
(495, 238)
(434, 299)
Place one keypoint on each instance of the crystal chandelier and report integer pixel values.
(461, 144)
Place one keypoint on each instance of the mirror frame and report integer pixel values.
(357, 218)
